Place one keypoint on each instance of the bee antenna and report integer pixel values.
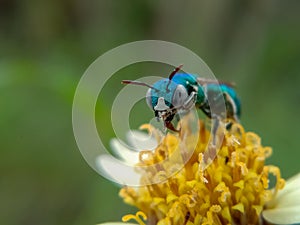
(175, 71)
(139, 83)
(172, 75)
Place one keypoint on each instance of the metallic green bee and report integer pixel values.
(180, 92)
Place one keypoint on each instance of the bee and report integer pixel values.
(180, 92)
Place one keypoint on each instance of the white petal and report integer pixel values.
(292, 184)
(289, 196)
(117, 171)
(123, 152)
(286, 205)
(140, 140)
(288, 215)
(289, 199)
(116, 223)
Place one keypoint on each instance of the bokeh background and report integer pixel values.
(45, 47)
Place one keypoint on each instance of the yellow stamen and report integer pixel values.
(231, 188)
(136, 217)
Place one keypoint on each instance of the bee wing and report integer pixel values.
(204, 81)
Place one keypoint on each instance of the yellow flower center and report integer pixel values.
(231, 188)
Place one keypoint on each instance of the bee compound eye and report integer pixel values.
(149, 99)
(180, 95)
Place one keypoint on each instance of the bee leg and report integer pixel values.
(187, 217)
(228, 125)
(215, 126)
(190, 102)
(171, 127)
(211, 151)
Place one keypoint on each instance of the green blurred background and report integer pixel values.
(45, 47)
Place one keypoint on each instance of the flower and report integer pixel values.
(231, 188)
